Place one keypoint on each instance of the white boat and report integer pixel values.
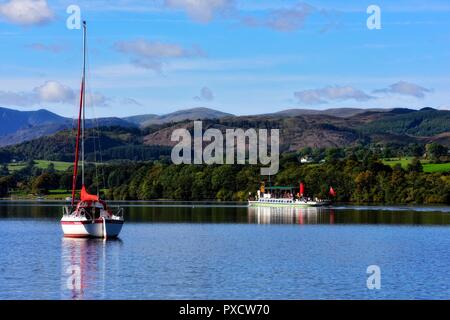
(288, 203)
(90, 217)
(285, 197)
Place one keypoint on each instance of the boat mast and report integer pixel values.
(80, 133)
(84, 101)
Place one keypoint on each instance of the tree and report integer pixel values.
(4, 171)
(415, 166)
(416, 150)
(387, 153)
(43, 183)
(4, 186)
(333, 154)
(65, 182)
(50, 168)
(435, 151)
(306, 151)
(5, 156)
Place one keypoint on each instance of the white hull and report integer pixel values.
(287, 203)
(98, 228)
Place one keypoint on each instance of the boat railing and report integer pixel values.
(66, 211)
(80, 213)
(276, 200)
(119, 212)
(84, 214)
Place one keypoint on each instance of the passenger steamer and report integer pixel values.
(286, 197)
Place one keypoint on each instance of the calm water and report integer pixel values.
(208, 251)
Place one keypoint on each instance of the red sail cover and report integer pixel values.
(332, 192)
(302, 188)
(85, 196)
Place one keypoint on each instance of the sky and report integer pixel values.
(237, 56)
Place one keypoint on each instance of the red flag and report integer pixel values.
(332, 192)
(302, 189)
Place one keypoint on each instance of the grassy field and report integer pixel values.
(58, 194)
(436, 167)
(54, 194)
(402, 161)
(427, 167)
(43, 164)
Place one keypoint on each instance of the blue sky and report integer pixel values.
(242, 57)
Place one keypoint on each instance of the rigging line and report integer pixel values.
(84, 103)
(96, 167)
(96, 134)
(93, 129)
(102, 170)
(102, 167)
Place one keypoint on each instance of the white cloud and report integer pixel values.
(405, 88)
(97, 99)
(309, 97)
(130, 102)
(54, 92)
(149, 49)
(51, 92)
(205, 95)
(331, 93)
(54, 48)
(201, 10)
(286, 19)
(154, 54)
(26, 12)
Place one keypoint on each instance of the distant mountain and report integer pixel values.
(423, 123)
(335, 112)
(295, 133)
(140, 119)
(394, 126)
(13, 120)
(19, 126)
(298, 127)
(117, 143)
(177, 116)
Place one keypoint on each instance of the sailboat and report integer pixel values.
(90, 217)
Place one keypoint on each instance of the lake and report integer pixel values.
(177, 250)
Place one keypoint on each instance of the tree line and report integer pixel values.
(356, 178)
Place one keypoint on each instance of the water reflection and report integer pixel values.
(84, 266)
(329, 215)
(181, 212)
(289, 215)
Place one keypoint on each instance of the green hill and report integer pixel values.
(425, 122)
(114, 143)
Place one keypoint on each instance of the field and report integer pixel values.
(43, 164)
(437, 167)
(427, 167)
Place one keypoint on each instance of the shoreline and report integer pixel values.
(445, 208)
